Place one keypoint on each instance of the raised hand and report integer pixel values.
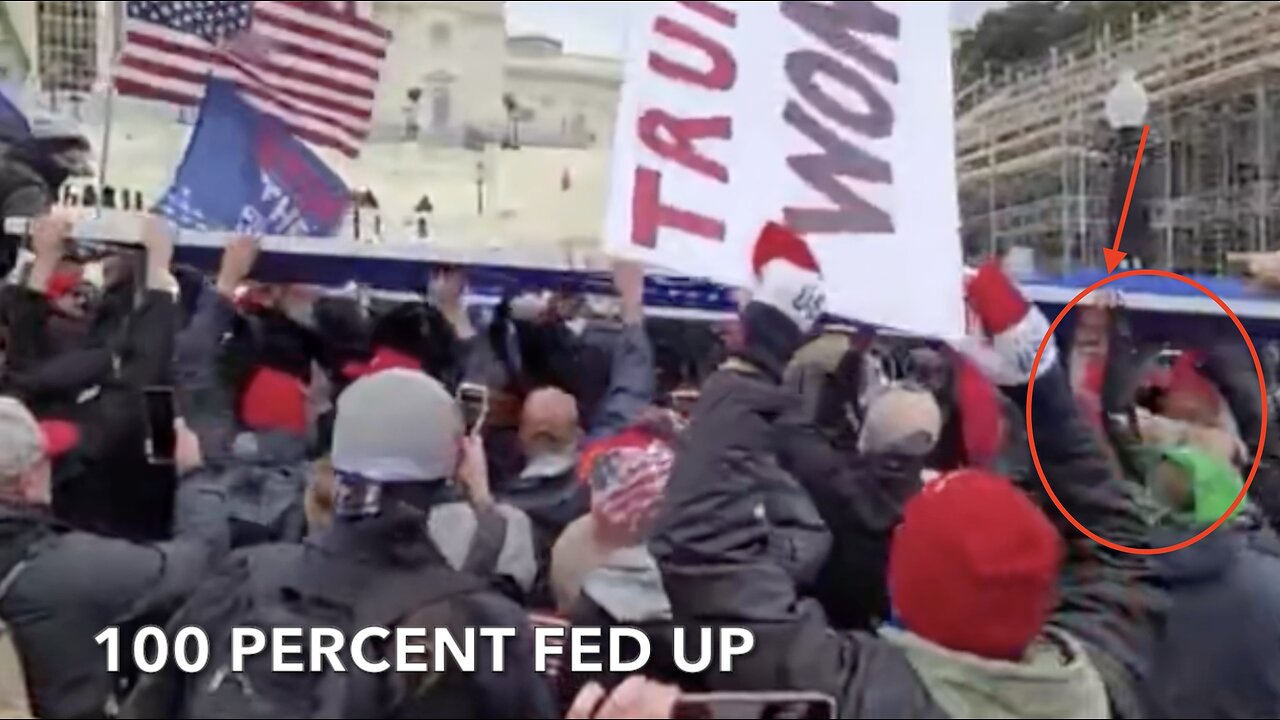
(238, 259)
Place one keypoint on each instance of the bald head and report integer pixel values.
(549, 422)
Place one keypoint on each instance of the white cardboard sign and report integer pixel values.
(834, 118)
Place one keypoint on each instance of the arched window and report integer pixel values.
(441, 36)
(441, 106)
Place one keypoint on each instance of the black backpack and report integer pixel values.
(291, 585)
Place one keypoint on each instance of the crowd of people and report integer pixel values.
(864, 503)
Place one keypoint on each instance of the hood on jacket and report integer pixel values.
(1214, 486)
(453, 527)
(628, 586)
(1207, 560)
(1056, 679)
(21, 525)
(548, 497)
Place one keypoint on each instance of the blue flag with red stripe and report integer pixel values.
(245, 171)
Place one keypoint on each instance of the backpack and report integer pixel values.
(265, 504)
(298, 585)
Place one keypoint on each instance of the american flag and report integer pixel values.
(314, 65)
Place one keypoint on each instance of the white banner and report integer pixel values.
(834, 118)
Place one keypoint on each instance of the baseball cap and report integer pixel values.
(903, 421)
(397, 426)
(24, 441)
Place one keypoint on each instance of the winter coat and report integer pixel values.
(99, 388)
(73, 584)
(1216, 656)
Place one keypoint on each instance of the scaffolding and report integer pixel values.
(1035, 157)
(67, 43)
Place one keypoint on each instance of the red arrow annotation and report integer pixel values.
(1113, 254)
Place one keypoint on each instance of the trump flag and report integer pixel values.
(246, 172)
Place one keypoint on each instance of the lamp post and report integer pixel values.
(1126, 109)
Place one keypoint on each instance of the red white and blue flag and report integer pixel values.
(314, 65)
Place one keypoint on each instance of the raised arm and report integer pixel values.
(207, 404)
(631, 379)
(1109, 599)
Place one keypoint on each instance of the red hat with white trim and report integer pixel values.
(787, 276)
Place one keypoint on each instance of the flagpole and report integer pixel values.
(106, 59)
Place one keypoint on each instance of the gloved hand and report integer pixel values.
(1011, 330)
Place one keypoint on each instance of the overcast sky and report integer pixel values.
(597, 28)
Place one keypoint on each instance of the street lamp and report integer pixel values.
(1126, 108)
(1126, 104)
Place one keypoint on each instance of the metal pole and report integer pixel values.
(992, 245)
(1083, 206)
(1263, 170)
(1170, 217)
(106, 58)
(106, 146)
(1065, 193)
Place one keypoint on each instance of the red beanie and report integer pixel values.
(275, 400)
(974, 566)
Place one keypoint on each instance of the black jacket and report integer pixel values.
(74, 584)
(860, 499)
(716, 568)
(99, 388)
